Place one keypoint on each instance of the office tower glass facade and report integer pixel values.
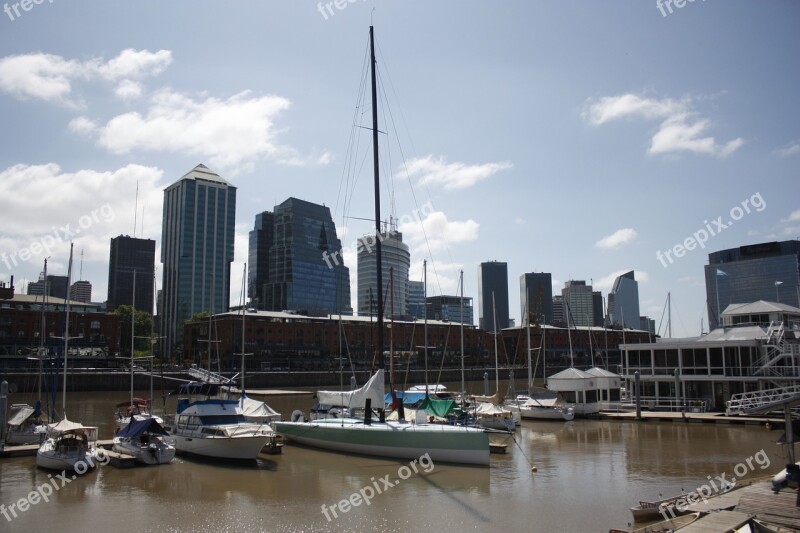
(395, 257)
(536, 292)
(623, 301)
(129, 254)
(492, 278)
(261, 238)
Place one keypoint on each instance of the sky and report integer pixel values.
(580, 138)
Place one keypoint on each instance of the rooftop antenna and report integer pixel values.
(142, 226)
(135, 209)
(80, 276)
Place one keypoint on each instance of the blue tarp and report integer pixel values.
(408, 398)
(145, 425)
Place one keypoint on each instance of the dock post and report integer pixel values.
(787, 413)
(3, 412)
(678, 394)
(486, 384)
(637, 390)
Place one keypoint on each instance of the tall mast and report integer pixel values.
(528, 332)
(463, 389)
(496, 365)
(66, 338)
(376, 171)
(133, 323)
(43, 333)
(425, 315)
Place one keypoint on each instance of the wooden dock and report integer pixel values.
(273, 392)
(780, 509)
(696, 418)
(718, 522)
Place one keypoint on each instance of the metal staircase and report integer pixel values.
(776, 352)
(751, 400)
(205, 376)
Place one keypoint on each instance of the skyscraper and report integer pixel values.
(261, 239)
(578, 303)
(129, 254)
(767, 271)
(598, 317)
(559, 313)
(394, 255)
(492, 278)
(81, 291)
(623, 302)
(415, 300)
(196, 249)
(536, 289)
(306, 273)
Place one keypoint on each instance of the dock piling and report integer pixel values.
(3, 412)
(637, 388)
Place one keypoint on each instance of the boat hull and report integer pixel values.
(149, 454)
(217, 447)
(75, 461)
(442, 443)
(546, 413)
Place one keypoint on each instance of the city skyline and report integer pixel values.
(621, 149)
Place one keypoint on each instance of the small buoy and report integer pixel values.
(768, 425)
(534, 469)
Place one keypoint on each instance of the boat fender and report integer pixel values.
(298, 416)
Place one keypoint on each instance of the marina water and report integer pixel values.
(589, 473)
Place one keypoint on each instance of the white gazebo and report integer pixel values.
(608, 386)
(578, 388)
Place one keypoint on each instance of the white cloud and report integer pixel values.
(440, 232)
(793, 217)
(442, 277)
(680, 131)
(49, 77)
(619, 238)
(520, 220)
(450, 176)
(82, 126)
(88, 207)
(231, 133)
(128, 90)
(789, 149)
(606, 283)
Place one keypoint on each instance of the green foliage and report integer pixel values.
(143, 327)
(197, 317)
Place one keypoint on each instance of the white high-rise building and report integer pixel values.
(394, 256)
(623, 302)
(578, 303)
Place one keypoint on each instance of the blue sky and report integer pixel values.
(578, 138)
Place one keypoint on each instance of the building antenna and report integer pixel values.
(142, 226)
(80, 276)
(135, 209)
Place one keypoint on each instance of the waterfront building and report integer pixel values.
(623, 302)
(306, 272)
(395, 256)
(559, 315)
(196, 250)
(578, 303)
(81, 291)
(415, 300)
(449, 309)
(759, 348)
(493, 279)
(126, 256)
(765, 271)
(21, 319)
(292, 341)
(536, 292)
(261, 238)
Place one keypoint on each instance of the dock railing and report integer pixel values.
(751, 400)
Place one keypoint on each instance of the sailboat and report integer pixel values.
(396, 439)
(69, 445)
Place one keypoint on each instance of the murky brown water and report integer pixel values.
(589, 473)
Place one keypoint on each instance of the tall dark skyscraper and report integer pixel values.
(306, 271)
(129, 254)
(537, 290)
(768, 271)
(196, 249)
(492, 278)
(262, 237)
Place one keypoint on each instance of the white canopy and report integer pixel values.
(255, 410)
(373, 389)
(487, 408)
(66, 426)
(21, 415)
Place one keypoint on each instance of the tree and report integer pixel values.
(143, 327)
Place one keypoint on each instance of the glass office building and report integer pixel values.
(623, 302)
(768, 271)
(395, 257)
(196, 249)
(536, 292)
(260, 240)
(492, 279)
(307, 274)
(129, 254)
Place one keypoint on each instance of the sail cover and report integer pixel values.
(137, 427)
(373, 390)
(255, 410)
(21, 416)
